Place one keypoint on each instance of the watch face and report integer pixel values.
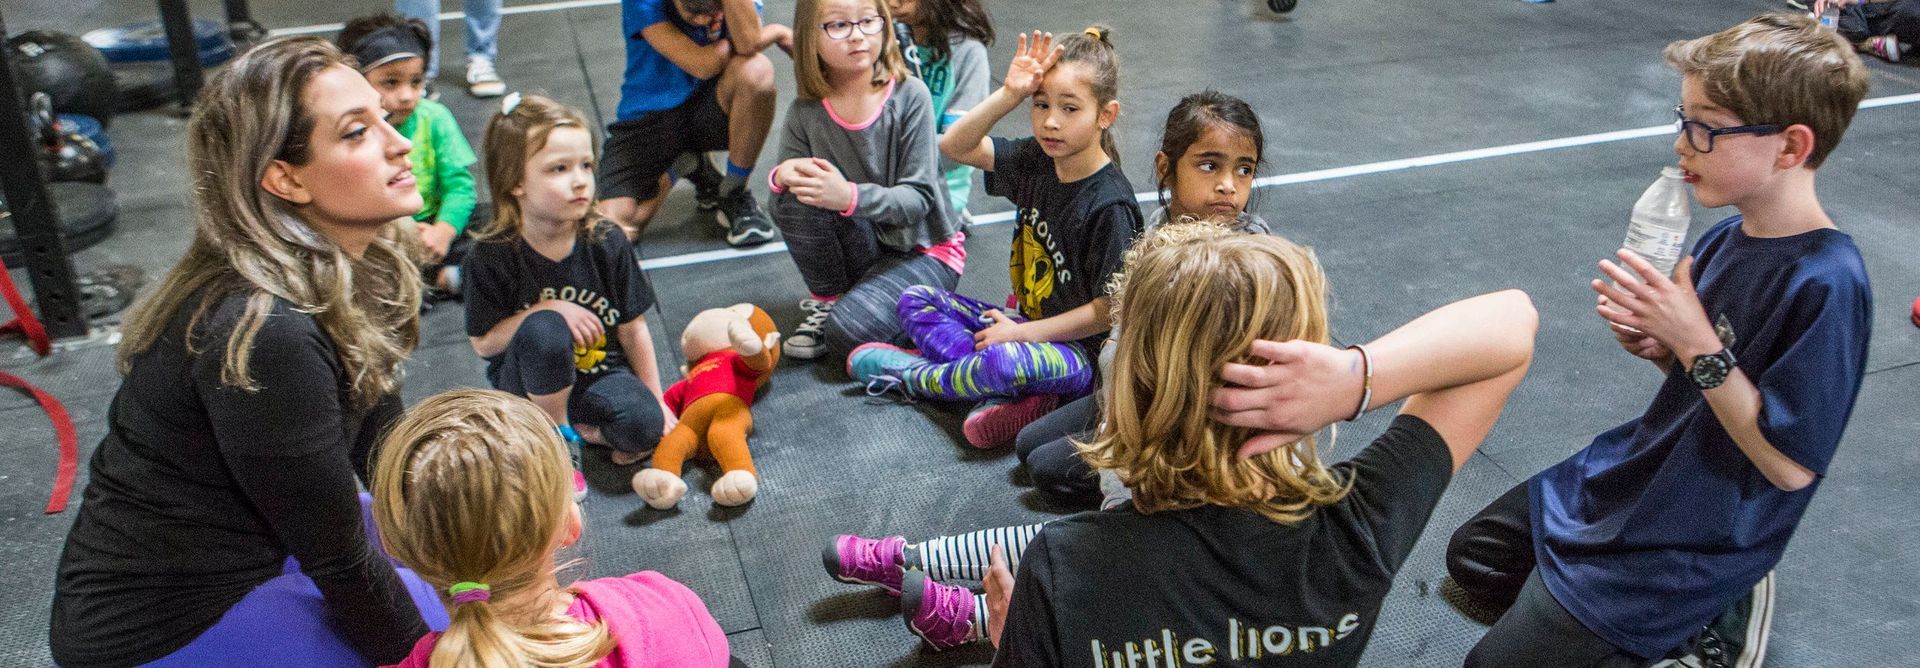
(1709, 371)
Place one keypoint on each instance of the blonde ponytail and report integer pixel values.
(471, 487)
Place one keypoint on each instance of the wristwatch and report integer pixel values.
(1709, 371)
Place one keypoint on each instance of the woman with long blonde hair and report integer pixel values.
(1239, 544)
(473, 489)
(256, 376)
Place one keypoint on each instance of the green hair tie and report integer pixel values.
(468, 592)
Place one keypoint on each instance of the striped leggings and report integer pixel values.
(964, 557)
(942, 324)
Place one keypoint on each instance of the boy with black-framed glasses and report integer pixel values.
(1657, 541)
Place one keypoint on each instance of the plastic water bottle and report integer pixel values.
(1660, 219)
(1830, 16)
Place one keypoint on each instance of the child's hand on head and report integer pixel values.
(1665, 310)
(1031, 60)
(1302, 387)
(1003, 330)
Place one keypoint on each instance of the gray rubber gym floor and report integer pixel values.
(1338, 84)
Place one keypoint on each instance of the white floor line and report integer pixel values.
(452, 16)
(704, 257)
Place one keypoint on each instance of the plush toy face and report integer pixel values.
(708, 332)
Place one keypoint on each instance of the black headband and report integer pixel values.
(387, 45)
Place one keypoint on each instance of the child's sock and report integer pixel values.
(964, 557)
(978, 630)
(736, 177)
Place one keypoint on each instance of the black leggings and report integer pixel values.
(842, 257)
(1900, 18)
(1051, 459)
(539, 361)
(1491, 558)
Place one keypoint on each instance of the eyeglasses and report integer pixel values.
(1700, 135)
(843, 29)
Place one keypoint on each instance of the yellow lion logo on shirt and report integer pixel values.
(1031, 271)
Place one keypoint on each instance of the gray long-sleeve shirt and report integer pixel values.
(892, 160)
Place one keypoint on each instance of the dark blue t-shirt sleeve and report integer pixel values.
(488, 273)
(1808, 392)
(1013, 160)
(1028, 637)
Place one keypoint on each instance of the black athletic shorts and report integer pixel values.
(639, 150)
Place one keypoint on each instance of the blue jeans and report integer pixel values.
(483, 27)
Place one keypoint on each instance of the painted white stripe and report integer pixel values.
(1402, 164)
(453, 16)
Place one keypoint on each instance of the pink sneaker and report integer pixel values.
(877, 562)
(579, 486)
(994, 422)
(941, 614)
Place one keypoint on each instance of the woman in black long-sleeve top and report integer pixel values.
(256, 377)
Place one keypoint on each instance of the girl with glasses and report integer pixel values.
(858, 193)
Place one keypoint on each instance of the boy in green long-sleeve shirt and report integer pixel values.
(391, 55)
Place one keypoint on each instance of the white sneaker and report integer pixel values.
(482, 80)
(809, 338)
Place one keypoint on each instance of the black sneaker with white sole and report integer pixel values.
(706, 183)
(747, 224)
(808, 340)
(1735, 639)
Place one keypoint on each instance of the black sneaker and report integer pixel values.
(746, 223)
(1735, 639)
(705, 180)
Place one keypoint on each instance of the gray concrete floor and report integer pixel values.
(1337, 84)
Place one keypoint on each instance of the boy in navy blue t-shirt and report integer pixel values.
(1657, 539)
(696, 81)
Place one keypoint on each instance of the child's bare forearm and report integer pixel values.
(1087, 320)
(1736, 403)
(966, 140)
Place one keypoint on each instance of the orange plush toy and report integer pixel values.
(733, 351)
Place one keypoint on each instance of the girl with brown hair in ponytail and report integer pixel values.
(1076, 217)
(256, 377)
(473, 489)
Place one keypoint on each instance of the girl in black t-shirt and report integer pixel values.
(1077, 216)
(555, 296)
(1240, 545)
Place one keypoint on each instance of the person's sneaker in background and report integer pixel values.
(482, 80)
(1886, 47)
(746, 223)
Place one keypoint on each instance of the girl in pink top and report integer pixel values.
(473, 490)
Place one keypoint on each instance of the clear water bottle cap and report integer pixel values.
(1671, 172)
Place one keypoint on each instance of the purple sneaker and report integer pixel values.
(877, 562)
(941, 614)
